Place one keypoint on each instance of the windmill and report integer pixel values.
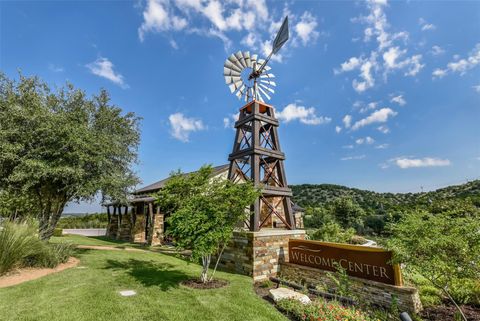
(256, 154)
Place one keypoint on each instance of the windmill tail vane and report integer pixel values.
(248, 77)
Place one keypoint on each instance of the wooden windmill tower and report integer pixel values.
(256, 154)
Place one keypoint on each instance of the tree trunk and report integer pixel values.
(455, 303)
(205, 265)
(218, 260)
(49, 219)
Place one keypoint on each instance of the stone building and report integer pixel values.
(141, 221)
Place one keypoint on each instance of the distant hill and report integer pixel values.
(318, 195)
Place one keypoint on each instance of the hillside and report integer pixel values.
(313, 195)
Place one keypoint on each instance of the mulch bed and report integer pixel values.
(198, 284)
(447, 312)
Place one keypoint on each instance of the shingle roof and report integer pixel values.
(158, 185)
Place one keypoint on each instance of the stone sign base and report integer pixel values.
(258, 254)
(367, 291)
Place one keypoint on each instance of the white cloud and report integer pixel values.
(476, 88)
(368, 107)
(55, 68)
(367, 140)
(425, 25)
(103, 67)
(383, 129)
(387, 57)
(439, 73)
(349, 65)
(305, 28)
(174, 44)
(348, 146)
(366, 75)
(304, 115)
(183, 126)
(347, 121)
(352, 157)
(460, 66)
(399, 100)
(215, 18)
(338, 129)
(382, 146)
(229, 122)
(412, 64)
(406, 162)
(379, 116)
(158, 17)
(437, 50)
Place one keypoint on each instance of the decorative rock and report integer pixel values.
(127, 293)
(284, 293)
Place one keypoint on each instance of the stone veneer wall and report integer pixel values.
(258, 254)
(371, 292)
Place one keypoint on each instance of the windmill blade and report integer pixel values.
(234, 61)
(248, 60)
(269, 76)
(267, 88)
(230, 72)
(240, 58)
(254, 58)
(232, 88)
(231, 79)
(271, 83)
(281, 38)
(231, 65)
(264, 92)
(238, 83)
(260, 98)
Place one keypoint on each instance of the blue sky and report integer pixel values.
(374, 95)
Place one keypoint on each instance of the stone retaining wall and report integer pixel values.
(370, 292)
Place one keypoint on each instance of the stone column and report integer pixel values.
(258, 254)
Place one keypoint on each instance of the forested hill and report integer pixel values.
(315, 195)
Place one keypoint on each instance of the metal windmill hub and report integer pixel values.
(240, 69)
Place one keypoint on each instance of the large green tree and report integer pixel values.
(203, 212)
(62, 146)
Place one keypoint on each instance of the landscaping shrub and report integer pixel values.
(58, 232)
(321, 310)
(20, 246)
(17, 242)
(466, 291)
(50, 255)
(333, 232)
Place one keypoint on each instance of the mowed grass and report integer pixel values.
(92, 240)
(90, 292)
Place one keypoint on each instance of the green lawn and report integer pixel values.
(92, 240)
(91, 293)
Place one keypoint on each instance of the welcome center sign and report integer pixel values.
(360, 261)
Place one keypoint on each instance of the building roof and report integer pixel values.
(158, 185)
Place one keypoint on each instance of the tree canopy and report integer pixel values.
(61, 146)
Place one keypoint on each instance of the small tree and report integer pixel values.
(204, 212)
(442, 247)
(61, 146)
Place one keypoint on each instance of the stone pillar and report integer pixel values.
(157, 229)
(258, 254)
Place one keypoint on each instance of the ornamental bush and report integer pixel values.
(20, 247)
(321, 310)
(17, 242)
